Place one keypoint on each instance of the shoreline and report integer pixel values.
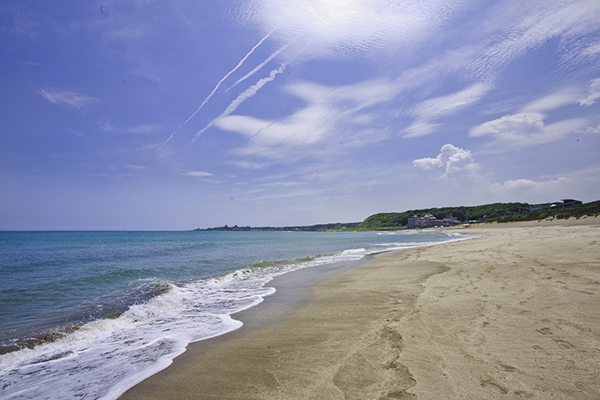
(495, 316)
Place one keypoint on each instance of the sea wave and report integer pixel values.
(112, 354)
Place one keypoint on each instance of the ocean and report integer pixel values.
(90, 314)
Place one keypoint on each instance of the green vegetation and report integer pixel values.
(588, 209)
(488, 212)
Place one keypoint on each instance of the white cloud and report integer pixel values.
(591, 50)
(323, 28)
(283, 140)
(594, 93)
(519, 184)
(451, 159)
(579, 184)
(200, 174)
(420, 128)
(342, 114)
(443, 106)
(512, 127)
(530, 25)
(65, 97)
(332, 114)
(589, 130)
(477, 188)
(449, 104)
(331, 27)
(553, 101)
(528, 126)
(526, 129)
(355, 97)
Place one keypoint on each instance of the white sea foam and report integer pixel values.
(452, 237)
(105, 357)
(353, 252)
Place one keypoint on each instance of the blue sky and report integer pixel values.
(181, 114)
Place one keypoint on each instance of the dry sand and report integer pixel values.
(512, 314)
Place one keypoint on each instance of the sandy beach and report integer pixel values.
(511, 314)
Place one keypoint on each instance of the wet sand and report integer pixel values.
(512, 314)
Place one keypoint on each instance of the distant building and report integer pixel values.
(412, 222)
(450, 221)
(570, 202)
(559, 204)
(429, 221)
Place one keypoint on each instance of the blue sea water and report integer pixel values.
(90, 314)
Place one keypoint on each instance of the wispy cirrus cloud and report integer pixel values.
(514, 28)
(66, 97)
(449, 104)
(330, 115)
(280, 141)
(378, 29)
(355, 27)
(563, 97)
(431, 109)
(343, 113)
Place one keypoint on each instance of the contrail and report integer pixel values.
(217, 87)
(249, 74)
(245, 95)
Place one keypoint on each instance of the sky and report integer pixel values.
(172, 115)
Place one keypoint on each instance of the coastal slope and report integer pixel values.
(511, 314)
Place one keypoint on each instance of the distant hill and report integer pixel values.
(591, 209)
(307, 228)
(462, 213)
(500, 212)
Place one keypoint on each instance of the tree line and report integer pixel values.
(500, 212)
